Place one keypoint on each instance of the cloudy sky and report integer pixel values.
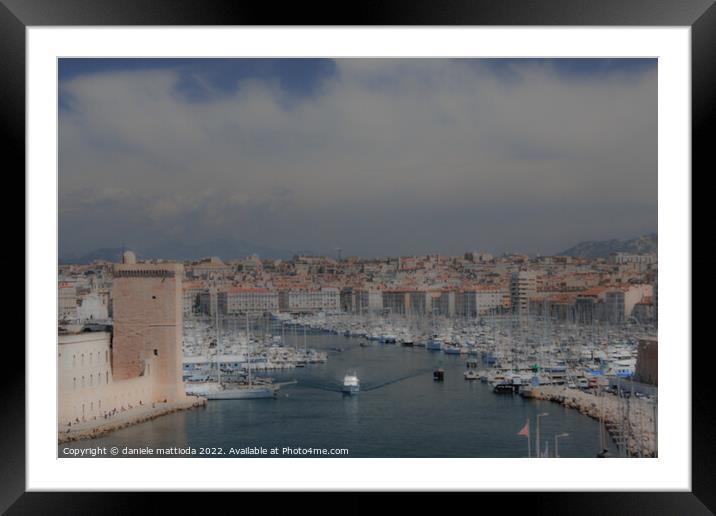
(375, 156)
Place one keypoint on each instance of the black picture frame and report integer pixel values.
(16, 15)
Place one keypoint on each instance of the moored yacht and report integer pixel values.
(223, 391)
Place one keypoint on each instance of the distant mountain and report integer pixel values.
(602, 248)
(228, 249)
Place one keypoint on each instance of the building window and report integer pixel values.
(83, 359)
(83, 382)
(156, 352)
(106, 377)
(74, 383)
(74, 360)
(91, 380)
(106, 356)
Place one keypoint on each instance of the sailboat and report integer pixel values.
(219, 390)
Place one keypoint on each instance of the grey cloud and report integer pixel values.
(388, 157)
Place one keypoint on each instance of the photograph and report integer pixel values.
(357, 257)
(276, 253)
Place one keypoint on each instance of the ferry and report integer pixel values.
(351, 385)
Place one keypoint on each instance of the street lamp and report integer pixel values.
(539, 416)
(556, 443)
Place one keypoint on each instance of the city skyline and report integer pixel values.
(377, 157)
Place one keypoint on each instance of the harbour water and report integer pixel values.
(400, 411)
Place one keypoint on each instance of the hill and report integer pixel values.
(602, 248)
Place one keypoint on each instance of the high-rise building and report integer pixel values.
(523, 285)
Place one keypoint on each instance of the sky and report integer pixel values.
(378, 157)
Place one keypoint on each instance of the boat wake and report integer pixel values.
(396, 380)
(339, 388)
(322, 387)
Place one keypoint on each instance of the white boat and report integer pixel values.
(219, 391)
(351, 384)
(471, 375)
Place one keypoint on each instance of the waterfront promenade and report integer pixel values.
(97, 427)
(631, 422)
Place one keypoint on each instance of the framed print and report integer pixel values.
(403, 252)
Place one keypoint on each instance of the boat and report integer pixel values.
(504, 388)
(471, 375)
(434, 344)
(225, 391)
(351, 384)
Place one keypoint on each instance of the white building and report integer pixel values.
(619, 303)
(248, 299)
(86, 389)
(325, 299)
(478, 301)
(92, 308)
(361, 301)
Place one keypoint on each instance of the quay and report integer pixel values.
(631, 422)
(99, 427)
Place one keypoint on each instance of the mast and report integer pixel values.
(248, 347)
(218, 346)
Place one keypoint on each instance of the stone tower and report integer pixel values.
(148, 325)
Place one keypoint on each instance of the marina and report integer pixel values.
(407, 392)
